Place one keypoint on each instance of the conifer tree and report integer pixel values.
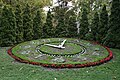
(103, 27)
(61, 29)
(112, 38)
(12, 22)
(89, 36)
(8, 27)
(48, 26)
(19, 24)
(72, 27)
(0, 24)
(95, 26)
(37, 26)
(27, 24)
(84, 24)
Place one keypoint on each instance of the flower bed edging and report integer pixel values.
(108, 58)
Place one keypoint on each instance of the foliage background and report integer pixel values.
(99, 20)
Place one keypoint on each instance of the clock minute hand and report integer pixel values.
(61, 45)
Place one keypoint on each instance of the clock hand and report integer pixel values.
(51, 45)
(55, 46)
(61, 45)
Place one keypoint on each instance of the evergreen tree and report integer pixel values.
(72, 27)
(0, 23)
(1, 4)
(12, 22)
(8, 27)
(103, 27)
(4, 24)
(19, 24)
(89, 36)
(112, 38)
(94, 26)
(84, 24)
(27, 24)
(61, 28)
(48, 26)
(37, 26)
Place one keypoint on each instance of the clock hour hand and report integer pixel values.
(51, 45)
(55, 46)
(61, 45)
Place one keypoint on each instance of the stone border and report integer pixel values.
(104, 60)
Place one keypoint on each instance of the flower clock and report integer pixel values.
(61, 53)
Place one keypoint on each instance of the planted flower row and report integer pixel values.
(109, 57)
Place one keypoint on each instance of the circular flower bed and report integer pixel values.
(92, 53)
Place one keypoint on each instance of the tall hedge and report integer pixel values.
(27, 24)
(95, 25)
(84, 23)
(72, 27)
(61, 28)
(7, 27)
(37, 26)
(103, 27)
(48, 26)
(0, 23)
(112, 38)
(19, 24)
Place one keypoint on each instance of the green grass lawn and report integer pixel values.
(12, 70)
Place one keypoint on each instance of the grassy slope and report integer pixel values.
(11, 70)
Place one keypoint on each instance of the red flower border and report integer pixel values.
(108, 58)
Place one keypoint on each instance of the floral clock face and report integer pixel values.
(60, 52)
(61, 47)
